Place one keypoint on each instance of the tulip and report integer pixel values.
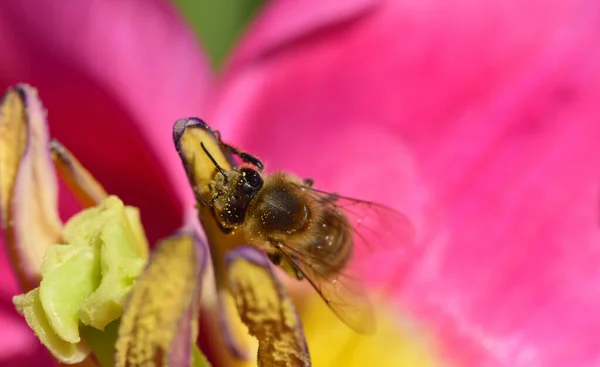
(100, 101)
(78, 276)
(478, 120)
(86, 287)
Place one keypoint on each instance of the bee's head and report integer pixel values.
(238, 181)
(235, 189)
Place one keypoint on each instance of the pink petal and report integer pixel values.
(21, 338)
(480, 119)
(114, 77)
(301, 19)
(19, 347)
(518, 253)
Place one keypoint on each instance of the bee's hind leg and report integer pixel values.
(275, 257)
(288, 264)
(299, 274)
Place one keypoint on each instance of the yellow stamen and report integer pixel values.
(162, 304)
(269, 314)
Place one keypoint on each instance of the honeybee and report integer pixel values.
(311, 234)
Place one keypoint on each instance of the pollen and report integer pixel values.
(269, 315)
(160, 297)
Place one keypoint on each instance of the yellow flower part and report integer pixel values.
(233, 343)
(266, 309)
(159, 325)
(79, 278)
(332, 343)
(243, 277)
(28, 186)
(86, 279)
(30, 307)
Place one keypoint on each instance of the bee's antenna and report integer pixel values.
(214, 161)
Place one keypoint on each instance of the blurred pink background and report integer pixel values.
(477, 119)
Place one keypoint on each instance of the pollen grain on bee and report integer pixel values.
(312, 229)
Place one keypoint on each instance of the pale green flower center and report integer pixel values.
(85, 280)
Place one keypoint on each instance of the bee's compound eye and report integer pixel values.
(252, 177)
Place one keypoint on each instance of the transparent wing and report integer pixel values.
(374, 229)
(344, 294)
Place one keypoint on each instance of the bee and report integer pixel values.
(311, 234)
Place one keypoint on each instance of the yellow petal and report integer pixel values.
(332, 343)
(28, 192)
(266, 309)
(159, 324)
(30, 307)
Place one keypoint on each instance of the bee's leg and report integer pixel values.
(225, 230)
(248, 158)
(202, 200)
(275, 257)
(330, 197)
(245, 157)
(308, 182)
(299, 274)
(87, 190)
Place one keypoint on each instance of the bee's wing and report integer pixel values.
(345, 295)
(376, 229)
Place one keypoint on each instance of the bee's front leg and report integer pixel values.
(246, 157)
(86, 188)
